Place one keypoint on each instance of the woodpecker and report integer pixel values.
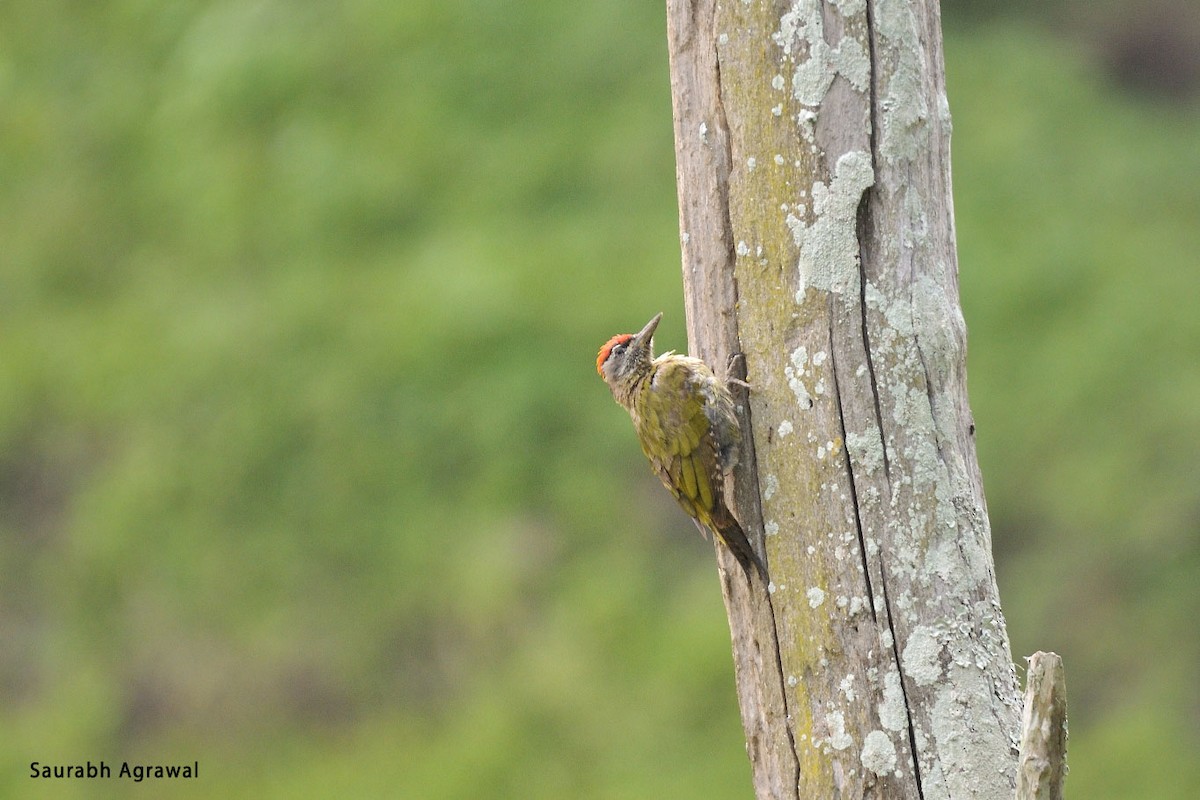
(684, 418)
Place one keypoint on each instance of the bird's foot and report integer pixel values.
(735, 370)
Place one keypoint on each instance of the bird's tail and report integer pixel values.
(731, 533)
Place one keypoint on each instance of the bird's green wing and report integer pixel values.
(676, 436)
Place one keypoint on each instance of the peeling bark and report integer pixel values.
(812, 144)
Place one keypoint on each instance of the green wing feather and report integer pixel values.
(675, 432)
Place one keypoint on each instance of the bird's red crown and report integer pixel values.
(602, 356)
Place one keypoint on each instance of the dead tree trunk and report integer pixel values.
(812, 142)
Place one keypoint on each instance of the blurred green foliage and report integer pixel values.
(304, 469)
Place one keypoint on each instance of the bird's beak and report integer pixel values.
(643, 337)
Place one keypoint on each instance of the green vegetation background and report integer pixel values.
(305, 472)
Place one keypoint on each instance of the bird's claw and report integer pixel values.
(735, 370)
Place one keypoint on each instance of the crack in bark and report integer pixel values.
(862, 536)
(912, 732)
(787, 711)
(860, 232)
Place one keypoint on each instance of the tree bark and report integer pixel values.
(812, 145)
